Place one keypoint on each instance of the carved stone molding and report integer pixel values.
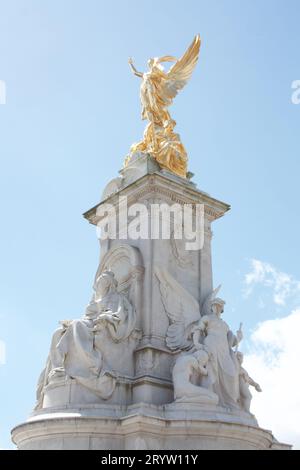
(127, 264)
(157, 185)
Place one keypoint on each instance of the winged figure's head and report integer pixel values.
(217, 306)
(150, 63)
(157, 61)
(213, 304)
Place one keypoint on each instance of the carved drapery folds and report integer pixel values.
(92, 350)
(207, 369)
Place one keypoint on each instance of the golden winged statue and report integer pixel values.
(158, 89)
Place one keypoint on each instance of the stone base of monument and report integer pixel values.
(151, 332)
(176, 426)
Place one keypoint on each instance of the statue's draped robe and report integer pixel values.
(82, 361)
(224, 365)
(153, 102)
(73, 348)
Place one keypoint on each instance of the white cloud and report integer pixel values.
(282, 285)
(273, 361)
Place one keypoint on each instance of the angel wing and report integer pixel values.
(181, 307)
(181, 71)
(206, 307)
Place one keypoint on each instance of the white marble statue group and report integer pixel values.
(76, 349)
(207, 370)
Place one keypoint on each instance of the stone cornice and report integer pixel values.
(171, 191)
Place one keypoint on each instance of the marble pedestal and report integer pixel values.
(141, 413)
(143, 427)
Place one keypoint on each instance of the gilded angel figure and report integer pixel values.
(158, 89)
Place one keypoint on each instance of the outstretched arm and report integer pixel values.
(250, 381)
(134, 70)
(254, 384)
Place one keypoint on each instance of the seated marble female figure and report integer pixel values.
(73, 352)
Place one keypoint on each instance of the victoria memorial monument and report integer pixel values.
(151, 363)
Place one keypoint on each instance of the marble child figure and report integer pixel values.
(244, 382)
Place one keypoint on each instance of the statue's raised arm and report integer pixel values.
(134, 70)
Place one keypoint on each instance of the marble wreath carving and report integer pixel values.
(207, 369)
(76, 346)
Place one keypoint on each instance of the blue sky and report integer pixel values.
(72, 111)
